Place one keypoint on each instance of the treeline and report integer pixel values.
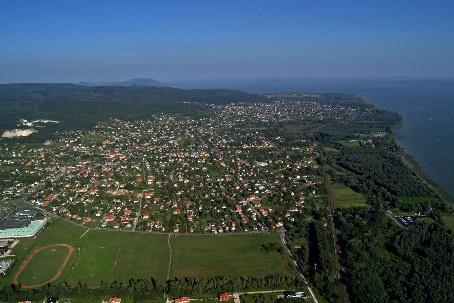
(388, 264)
(149, 288)
(222, 283)
(62, 92)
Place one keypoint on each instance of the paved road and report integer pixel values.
(391, 216)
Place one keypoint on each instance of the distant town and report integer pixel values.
(180, 175)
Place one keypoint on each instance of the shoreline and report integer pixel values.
(415, 167)
(407, 158)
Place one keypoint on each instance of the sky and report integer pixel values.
(187, 40)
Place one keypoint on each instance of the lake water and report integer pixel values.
(427, 108)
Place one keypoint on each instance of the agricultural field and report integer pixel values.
(101, 255)
(345, 197)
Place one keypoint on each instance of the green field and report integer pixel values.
(113, 255)
(350, 144)
(49, 258)
(228, 255)
(448, 220)
(330, 150)
(345, 197)
(117, 256)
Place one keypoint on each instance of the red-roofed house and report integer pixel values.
(182, 299)
(224, 296)
(109, 217)
(115, 300)
(49, 197)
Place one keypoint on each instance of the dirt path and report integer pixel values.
(84, 233)
(30, 257)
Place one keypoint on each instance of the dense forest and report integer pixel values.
(380, 166)
(386, 264)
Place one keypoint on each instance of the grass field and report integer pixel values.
(112, 255)
(231, 255)
(345, 197)
(448, 219)
(330, 150)
(350, 144)
(109, 256)
(51, 258)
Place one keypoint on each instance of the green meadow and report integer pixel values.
(108, 256)
(226, 255)
(345, 197)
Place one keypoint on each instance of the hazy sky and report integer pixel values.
(62, 40)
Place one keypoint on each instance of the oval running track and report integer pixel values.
(30, 257)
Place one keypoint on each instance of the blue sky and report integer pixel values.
(62, 41)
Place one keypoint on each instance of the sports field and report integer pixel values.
(114, 255)
(345, 197)
(108, 256)
(53, 258)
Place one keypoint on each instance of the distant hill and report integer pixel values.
(131, 82)
(65, 92)
(78, 106)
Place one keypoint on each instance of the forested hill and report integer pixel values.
(77, 106)
(65, 92)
